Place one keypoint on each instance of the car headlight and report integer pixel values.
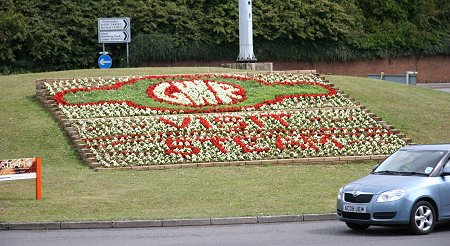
(339, 196)
(391, 195)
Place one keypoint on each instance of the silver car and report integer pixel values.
(411, 187)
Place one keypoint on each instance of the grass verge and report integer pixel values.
(420, 113)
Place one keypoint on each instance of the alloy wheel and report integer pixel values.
(423, 218)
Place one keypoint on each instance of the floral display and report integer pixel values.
(128, 108)
(203, 118)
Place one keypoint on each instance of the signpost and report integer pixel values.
(27, 168)
(113, 30)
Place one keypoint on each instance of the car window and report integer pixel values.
(412, 161)
(426, 161)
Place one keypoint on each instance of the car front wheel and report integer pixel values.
(423, 218)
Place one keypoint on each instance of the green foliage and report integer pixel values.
(60, 35)
(39, 35)
(303, 21)
(12, 34)
(222, 21)
(163, 47)
(394, 28)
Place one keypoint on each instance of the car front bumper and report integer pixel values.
(386, 213)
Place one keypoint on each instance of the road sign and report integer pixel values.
(114, 37)
(114, 30)
(104, 61)
(113, 24)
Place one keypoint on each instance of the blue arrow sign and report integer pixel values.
(104, 61)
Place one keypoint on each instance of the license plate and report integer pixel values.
(354, 208)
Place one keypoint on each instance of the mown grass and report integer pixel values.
(422, 114)
(71, 191)
(75, 194)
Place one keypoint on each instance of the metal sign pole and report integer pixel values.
(110, 31)
(127, 56)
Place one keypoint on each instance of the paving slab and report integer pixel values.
(186, 222)
(319, 217)
(280, 218)
(31, 226)
(87, 225)
(234, 220)
(137, 223)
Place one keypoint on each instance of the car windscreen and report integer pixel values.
(409, 162)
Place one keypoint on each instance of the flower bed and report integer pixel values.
(123, 108)
(204, 118)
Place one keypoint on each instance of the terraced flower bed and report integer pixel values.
(167, 121)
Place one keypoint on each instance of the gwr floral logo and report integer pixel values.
(197, 93)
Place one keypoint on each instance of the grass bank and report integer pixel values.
(420, 113)
(72, 191)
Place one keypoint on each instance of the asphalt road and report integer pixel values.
(303, 233)
(437, 86)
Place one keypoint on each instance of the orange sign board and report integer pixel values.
(25, 168)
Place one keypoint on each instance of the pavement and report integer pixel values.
(164, 223)
(437, 86)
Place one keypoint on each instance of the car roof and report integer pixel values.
(444, 147)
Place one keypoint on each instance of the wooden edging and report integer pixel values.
(269, 162)
(46, 99)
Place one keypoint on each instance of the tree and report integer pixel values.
(12, 34)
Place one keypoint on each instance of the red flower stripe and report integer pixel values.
(184, 124)
(245, 142)
(205, 122)
(256, 121)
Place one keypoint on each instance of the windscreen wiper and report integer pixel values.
(413, 173)
(387, 172)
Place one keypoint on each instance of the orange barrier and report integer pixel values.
(26, 168)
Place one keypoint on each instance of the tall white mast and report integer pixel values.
(245, 32)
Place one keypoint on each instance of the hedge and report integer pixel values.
(42, 35)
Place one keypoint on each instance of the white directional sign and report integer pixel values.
(114, 30)
(114, 37)
(113, 24)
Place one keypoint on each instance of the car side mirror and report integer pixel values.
(446, 171)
